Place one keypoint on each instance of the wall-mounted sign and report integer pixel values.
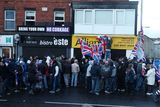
(88, 38)
(6, 40)
(44, 9)
(58, 29)
(48, 29)
(48, 41)
(31, 29)
(118, 41)
(123, 42)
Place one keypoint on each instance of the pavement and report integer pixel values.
(76, 97)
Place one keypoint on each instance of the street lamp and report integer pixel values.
(16, 38)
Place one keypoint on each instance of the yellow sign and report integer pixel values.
(118, 42)
(123, 42)
(88, 38)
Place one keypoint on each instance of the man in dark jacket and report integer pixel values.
(95, 75)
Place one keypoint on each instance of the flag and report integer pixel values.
(96, 57)
(138, 50)
(85, 48)
(158, 75)
(100, 49)
(103, 40)
(156, 64)
(141, 35)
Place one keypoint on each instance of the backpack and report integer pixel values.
(106, 71)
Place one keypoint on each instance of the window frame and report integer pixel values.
(76, 16)
(84, 15)
(61, 21)
(104, 10)
(120, 10)
(5, 20)
(30, 20)
(131, 10)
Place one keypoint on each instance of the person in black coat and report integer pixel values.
(95, 75)
(31, 76)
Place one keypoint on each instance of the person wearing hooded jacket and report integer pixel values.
(88, 75)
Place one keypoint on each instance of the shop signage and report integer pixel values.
(88, 38)
(6, 40)
(48, 29)
(31, 29)
(123, 42)
(118, 41)
(58, 29)
(48, 41)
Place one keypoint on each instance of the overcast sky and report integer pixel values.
(151, 17)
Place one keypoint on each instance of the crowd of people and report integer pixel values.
(53, 74)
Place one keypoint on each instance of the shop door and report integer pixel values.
(6, 52)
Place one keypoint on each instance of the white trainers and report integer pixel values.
(52, 92)
(149, 93)
(107, 92)
(97, 93)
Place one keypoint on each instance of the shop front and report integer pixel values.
(46, 46)
(6, 46)
(121, 46)
(45, 41)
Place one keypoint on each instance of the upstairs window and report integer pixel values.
(120, 17)
(59, 18)
(88, 17)
(10, 20)
(30, 17)
(103, 17)
(130, 17)
(79, 16)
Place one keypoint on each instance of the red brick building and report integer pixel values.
(37, 22)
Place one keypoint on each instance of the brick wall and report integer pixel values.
(41, 16)
(99, 0)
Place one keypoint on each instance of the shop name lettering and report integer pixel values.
(87, 41)
(32, 29)
(55, 41)
(57, 29)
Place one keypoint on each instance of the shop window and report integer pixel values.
(59, 18)
(10, 20)
(103, 17)
(30, 17)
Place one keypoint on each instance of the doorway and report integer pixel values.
(6, 52)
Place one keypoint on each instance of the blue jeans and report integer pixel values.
(108, 84)
(66, 79)
(95, 84)
(74, 79)
(45, 84)
(55, 83)
(113, 84)
(89, 83)
(139, 83)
